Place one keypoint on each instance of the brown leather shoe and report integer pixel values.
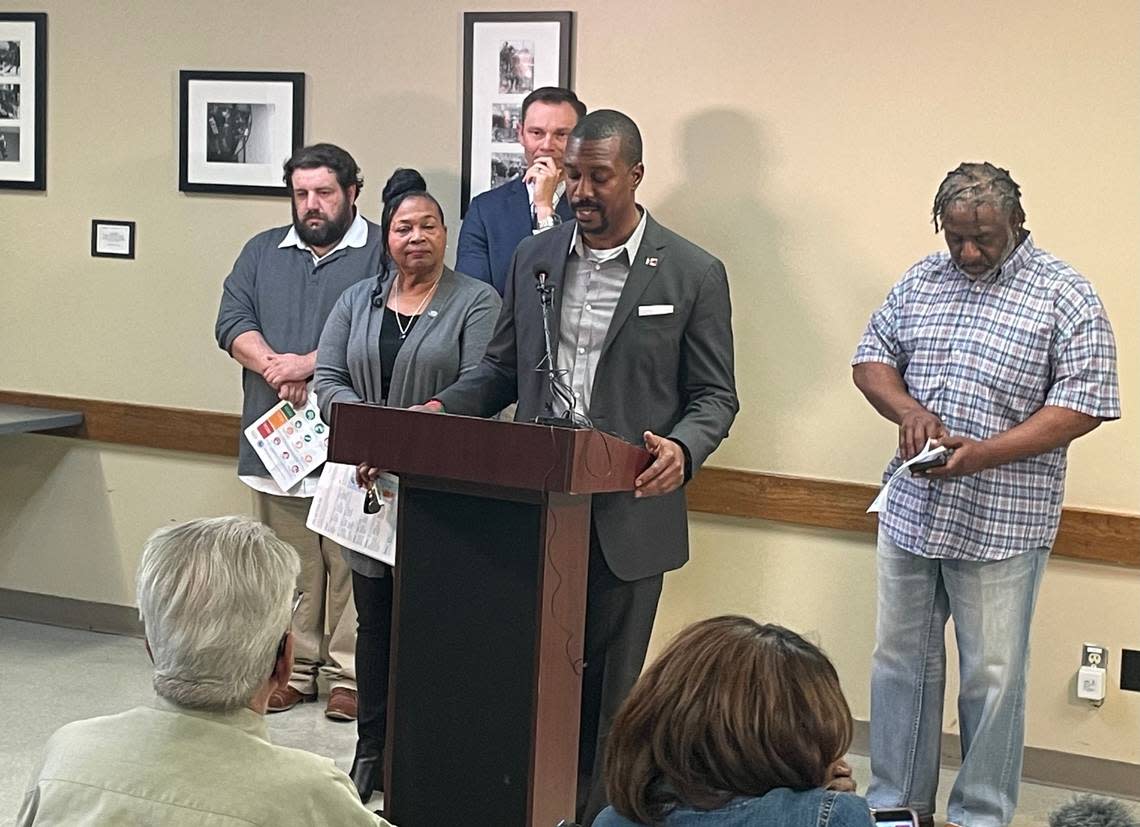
(342, 704)
(287, 698)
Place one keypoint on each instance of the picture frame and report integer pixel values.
(506, 55)
(237, 129)
(112, 239)
(23, 100)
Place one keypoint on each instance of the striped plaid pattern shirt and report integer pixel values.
(984, 356)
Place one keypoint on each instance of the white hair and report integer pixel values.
(215, 598)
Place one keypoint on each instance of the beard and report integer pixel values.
(1010, 245)
(329, 231)
(600, 222)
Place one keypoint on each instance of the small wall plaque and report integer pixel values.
(112, 239)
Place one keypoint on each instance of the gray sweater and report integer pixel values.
(279, 292)
(447, 341)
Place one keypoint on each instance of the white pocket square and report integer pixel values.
(654, 309)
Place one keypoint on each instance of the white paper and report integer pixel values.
(291, 440)
(926, 453)
(113, 238)
(337, 512)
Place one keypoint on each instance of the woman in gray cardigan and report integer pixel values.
(397, 340)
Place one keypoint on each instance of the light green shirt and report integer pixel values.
(174, 766)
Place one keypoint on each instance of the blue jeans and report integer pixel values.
(992, 606)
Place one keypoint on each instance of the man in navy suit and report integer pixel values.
(500, 218)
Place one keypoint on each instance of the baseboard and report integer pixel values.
(1043, 766)
(53, 610)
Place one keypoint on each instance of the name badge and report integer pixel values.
(654, 309)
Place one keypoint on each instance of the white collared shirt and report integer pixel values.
(630, 246)
(559, 191)
(591, 288)
(357, 236)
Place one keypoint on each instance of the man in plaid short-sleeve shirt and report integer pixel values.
(1002, 353)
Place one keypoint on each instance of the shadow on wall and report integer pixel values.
(411, 144)
(55, 517)
(444, 185)
(720, 206)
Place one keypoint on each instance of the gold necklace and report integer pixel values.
(411, 319)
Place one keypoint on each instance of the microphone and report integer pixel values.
(546, 299)
(1092, 811)
(541, 274)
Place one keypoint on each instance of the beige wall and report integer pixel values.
(800, 142)
(823, 584)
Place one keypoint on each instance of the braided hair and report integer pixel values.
(978, 184)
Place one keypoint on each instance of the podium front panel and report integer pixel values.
(479, 668)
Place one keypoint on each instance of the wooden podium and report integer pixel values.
(490, 599)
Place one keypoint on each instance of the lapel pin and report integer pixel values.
(433, 313)
(651, 261)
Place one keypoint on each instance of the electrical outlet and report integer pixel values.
(1092, 677)
(1130, 670)
(1094, 656)
(1090, 684)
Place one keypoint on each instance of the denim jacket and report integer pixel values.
(779, 808)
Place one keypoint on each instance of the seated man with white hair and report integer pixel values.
(215, 597)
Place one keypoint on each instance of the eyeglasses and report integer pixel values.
(292, 612)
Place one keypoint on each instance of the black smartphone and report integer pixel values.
(895, 817)
(933, 462)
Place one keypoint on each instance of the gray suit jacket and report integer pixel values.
(671, 374)
(439, 349)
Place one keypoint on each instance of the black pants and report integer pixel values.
(619, 621)
(373, 596)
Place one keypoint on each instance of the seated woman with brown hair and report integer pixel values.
(736, 723)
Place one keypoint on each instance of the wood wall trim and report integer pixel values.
(1085, 534)
(147, 426)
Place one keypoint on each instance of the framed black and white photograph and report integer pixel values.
(112, 239)
(505, 119)
(23, 100)
(506, 56)
(237, 129)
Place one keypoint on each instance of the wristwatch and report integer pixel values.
(551, 220)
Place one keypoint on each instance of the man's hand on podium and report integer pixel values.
(666, 473)
(431, 406)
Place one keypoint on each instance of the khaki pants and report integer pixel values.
(327, 604)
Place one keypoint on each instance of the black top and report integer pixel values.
(390, 342)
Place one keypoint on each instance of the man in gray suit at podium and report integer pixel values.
(641, 331)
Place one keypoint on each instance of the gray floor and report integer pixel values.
(1037, 800)
(53, 676)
